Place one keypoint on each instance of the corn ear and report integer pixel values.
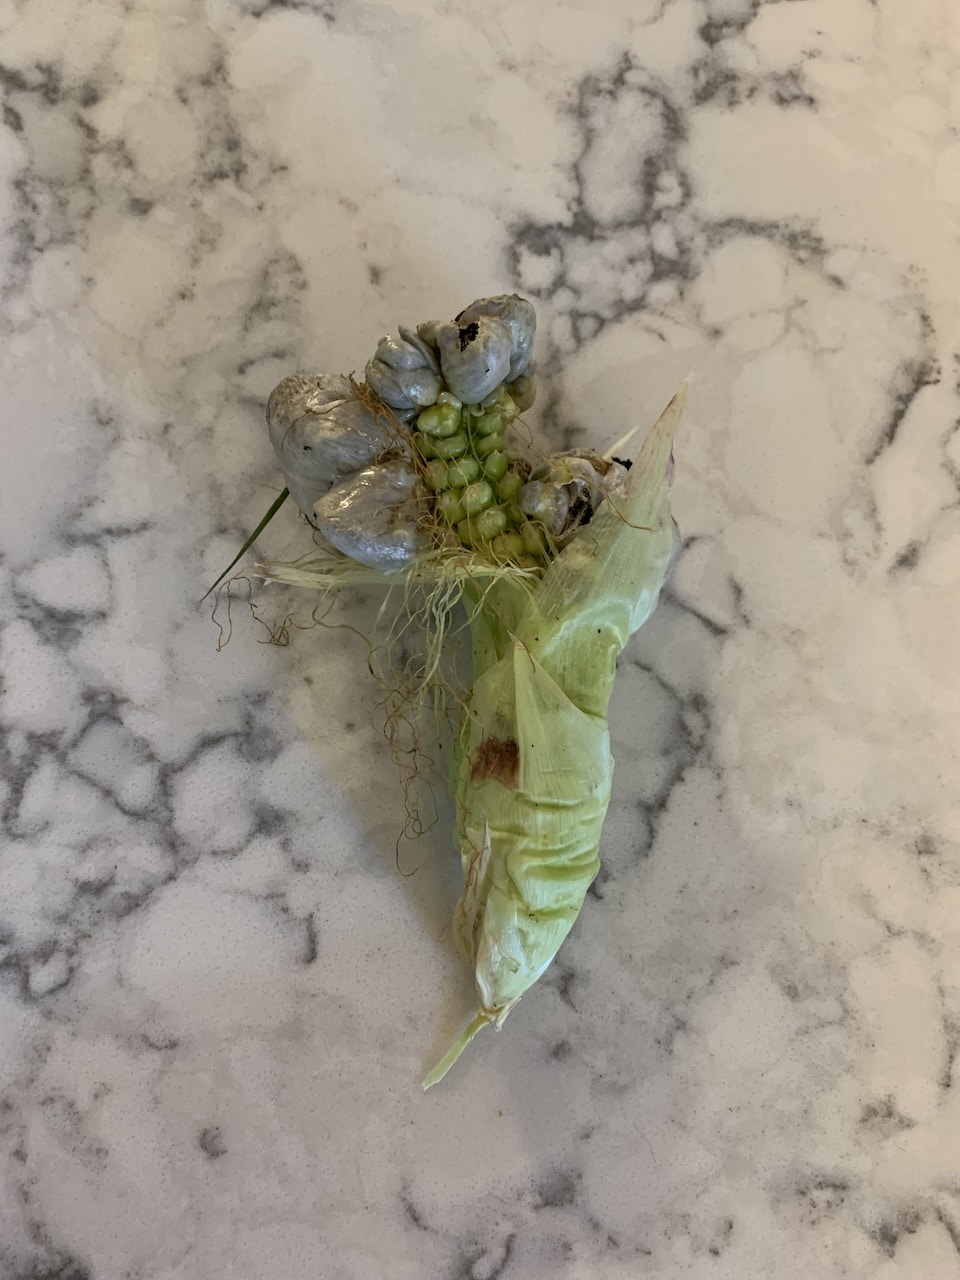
(533, 768)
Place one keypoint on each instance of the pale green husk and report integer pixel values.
(533, 767)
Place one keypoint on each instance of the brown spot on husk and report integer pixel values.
(497, 758)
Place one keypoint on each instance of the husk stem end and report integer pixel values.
(453, 1053)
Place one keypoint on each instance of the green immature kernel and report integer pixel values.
(435, 475)
(534, 539)
(507, 546)
(447, 397)
(488, 424)
(490, 522)
(424, 445)
(508, 486)
(463, 471)
(482, 527)
(501, 401)
(467, 533)
(442, 420)
(476, 496)
(450, 506)
(523, 392)
(495, 465)
(508, 408)
(452, 447)
(487, 444)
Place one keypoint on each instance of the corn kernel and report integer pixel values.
(495, 465)
(435, 475)
(450, 506)
(490, 522)
(487, 444)
(533, 538)
(476, 496)
(451, 447)
(507, 546)
(487, 424)
(440, 420)
(463, 471)
(508, 486)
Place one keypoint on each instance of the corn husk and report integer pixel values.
(534, 767)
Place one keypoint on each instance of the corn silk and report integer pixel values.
(532, 765)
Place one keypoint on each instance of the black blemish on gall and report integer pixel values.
(468, 334)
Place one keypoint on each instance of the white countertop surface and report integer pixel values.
(218, 994)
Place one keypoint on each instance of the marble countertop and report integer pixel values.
(218, 993)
